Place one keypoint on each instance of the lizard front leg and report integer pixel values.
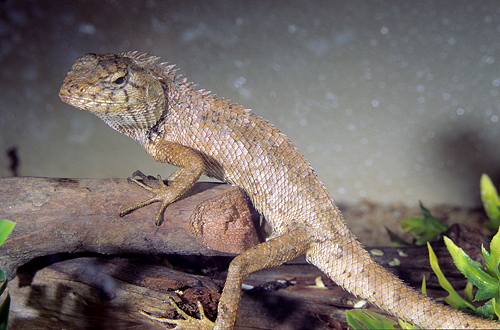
(191, 167)
(271, 253)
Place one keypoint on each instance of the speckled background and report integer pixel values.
(391, 101)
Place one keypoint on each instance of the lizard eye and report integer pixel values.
(120, 81)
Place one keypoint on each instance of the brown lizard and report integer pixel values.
(202, 133)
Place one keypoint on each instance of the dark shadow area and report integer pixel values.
(465, 158)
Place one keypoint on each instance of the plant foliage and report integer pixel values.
(6, 227)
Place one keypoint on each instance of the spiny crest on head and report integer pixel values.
(167, 70)
(151, 61)
(141, 57)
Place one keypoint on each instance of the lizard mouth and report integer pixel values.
(82, 102)
(70, 99)
(64, 95)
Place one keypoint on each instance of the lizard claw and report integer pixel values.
(189, 322)
(141, 175)
(146, 177)
(157, 192)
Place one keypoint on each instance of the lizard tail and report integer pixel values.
(346, 262)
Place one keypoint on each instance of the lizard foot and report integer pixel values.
(189, 322)
(160, 194)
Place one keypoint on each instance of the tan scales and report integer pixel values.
(202, 133)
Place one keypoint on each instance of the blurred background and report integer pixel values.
(389, 101)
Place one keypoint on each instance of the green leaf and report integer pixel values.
(486, 284)
(4, 313)
(424, 287)
(495, 247)
(6, 227)
(4, 305)
(469, 296)
(496, 307)
(359, 317)
(453, 298)
(487, 311)
(491, 202)
(490, 263)
(3, 280)
(493, 260)
(395, 239)
(413, 224)
(427, 227)
(406, 325)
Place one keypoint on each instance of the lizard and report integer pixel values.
(200, 132)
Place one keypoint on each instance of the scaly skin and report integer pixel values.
(201, 133)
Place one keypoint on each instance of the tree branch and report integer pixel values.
(81, 215)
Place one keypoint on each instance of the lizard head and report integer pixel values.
(122, 90)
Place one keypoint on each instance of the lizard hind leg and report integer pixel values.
(271, 253)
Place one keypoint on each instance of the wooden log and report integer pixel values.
(60, 217)
(81, 215)
(108, 292)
